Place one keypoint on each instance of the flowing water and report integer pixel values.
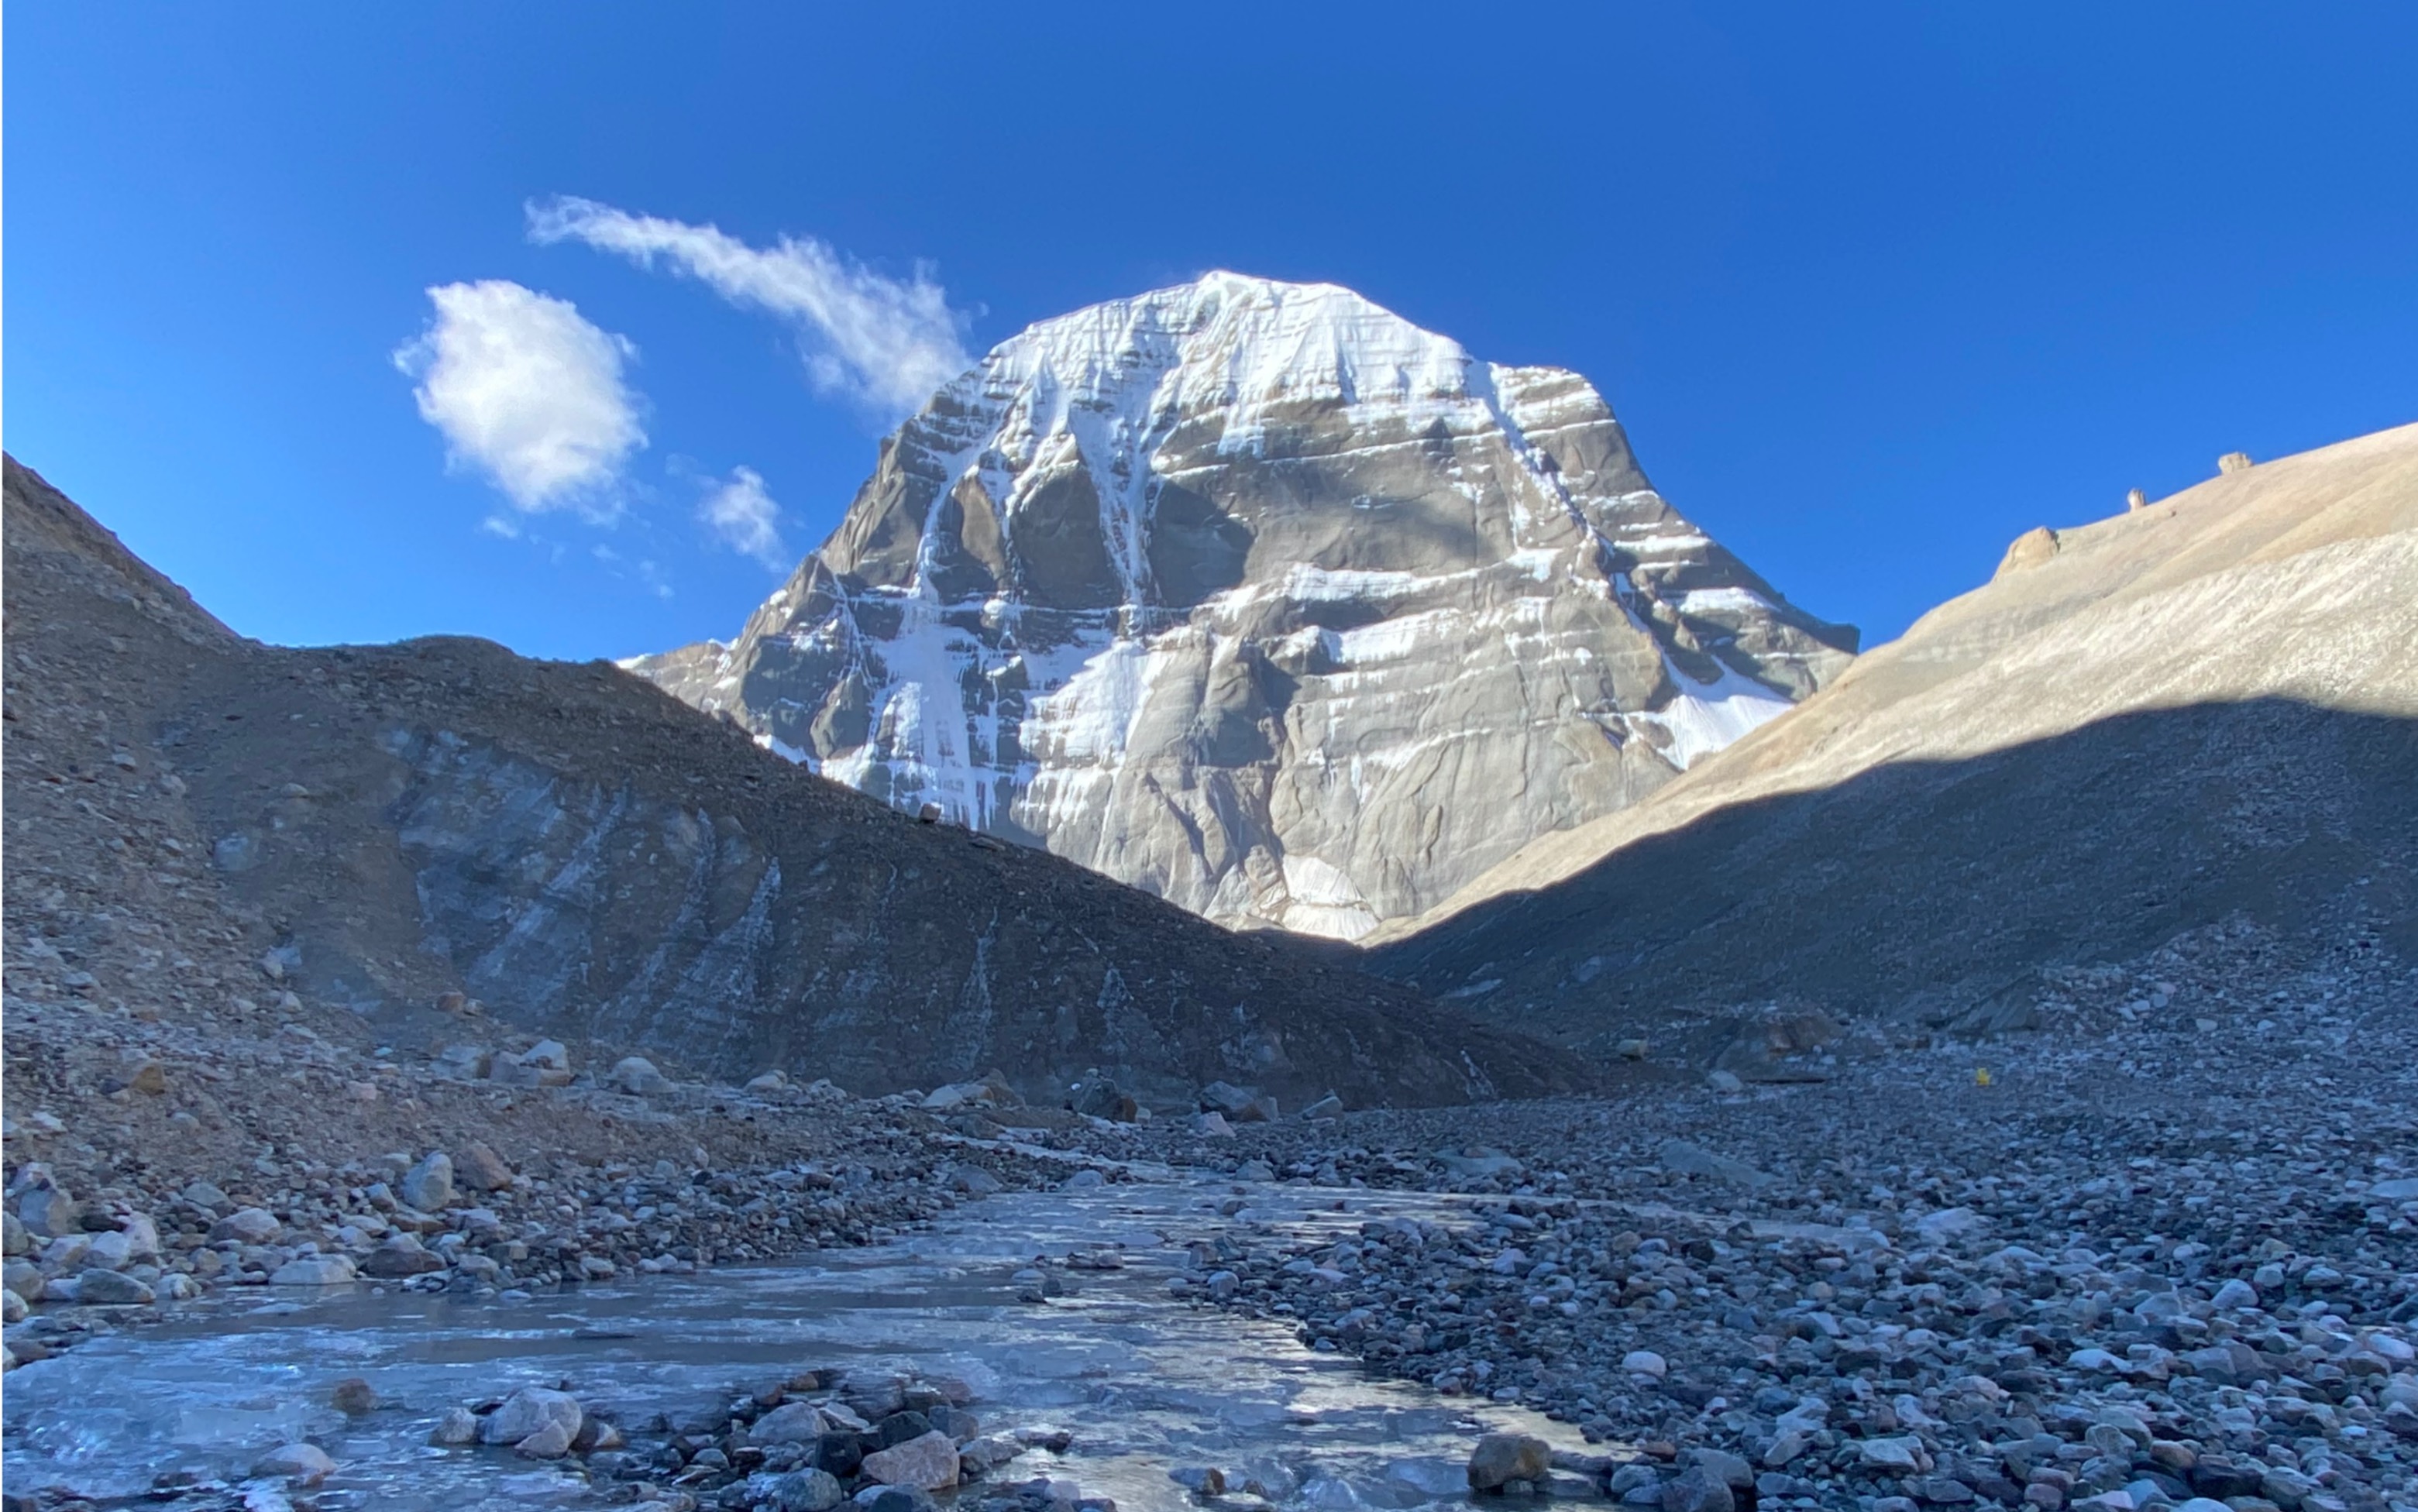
(1143, 1383)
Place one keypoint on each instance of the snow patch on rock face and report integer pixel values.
(1322, 900)
(1258, 596)
(1706, 717)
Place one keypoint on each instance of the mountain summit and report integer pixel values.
(1259, 597)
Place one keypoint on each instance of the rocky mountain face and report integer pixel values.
(2201, 712)
(1261, 599)
(379, 829)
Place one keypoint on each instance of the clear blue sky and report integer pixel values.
(1875, 286)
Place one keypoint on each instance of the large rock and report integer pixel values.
(456, 1427)
(551, 1441)
(1697, 1488)
(111, 1288)
(927, 1464)
(23, 1277)
(49, 1211)
(399, 1257)
(528, 1409)
(789, 1422)
(481, 1169)
(249, 1226)
(429, 1184)
(1501, 1458)
(637, 1075)
(313, 1270)
(991, 1092)
(304, 1464)
(807, 1490)
(1099, 1097)
(1226, 1098)
(549, 1055)
(1696, 1160)
(1260, 597)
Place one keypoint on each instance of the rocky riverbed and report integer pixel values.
(1033, 1335)
(2160, 1252)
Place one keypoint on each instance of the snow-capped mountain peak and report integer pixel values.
(1260, 597)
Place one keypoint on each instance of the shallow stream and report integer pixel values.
(1144, 1382)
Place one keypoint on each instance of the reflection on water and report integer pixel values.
(1143, 1383)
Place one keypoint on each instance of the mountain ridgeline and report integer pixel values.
(1258, 598)
(2200, 714)
(389, 824)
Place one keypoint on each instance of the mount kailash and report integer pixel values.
(1262, 599)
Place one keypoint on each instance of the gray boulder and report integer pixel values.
(1500, 1459)
(807, 1491)
(249, 1225)
(552, 1441)
(457, 1428)
(789, 1422)
(49, 1211)
(637, 1075)
(314, 1270)
(929, 1463)
(399, 1257)
(1698, 1489)
(528, 1409)
(428, 1186)
(1099, 1097)
(481, 1169)
(111, 1288)
(1226, 1098)
(1686, 1159)
(303, 1464)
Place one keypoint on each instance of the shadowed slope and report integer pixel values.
(1937, 891)
(2136, 726)
(594, 859)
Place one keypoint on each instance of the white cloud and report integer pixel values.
(884, 342)
(526, 391)
(745, 518)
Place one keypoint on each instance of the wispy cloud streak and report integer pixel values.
(883, 342)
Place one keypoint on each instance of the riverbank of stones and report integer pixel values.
(2165, 1252)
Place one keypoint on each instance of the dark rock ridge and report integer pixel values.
(1262, 599)
(593, 860)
